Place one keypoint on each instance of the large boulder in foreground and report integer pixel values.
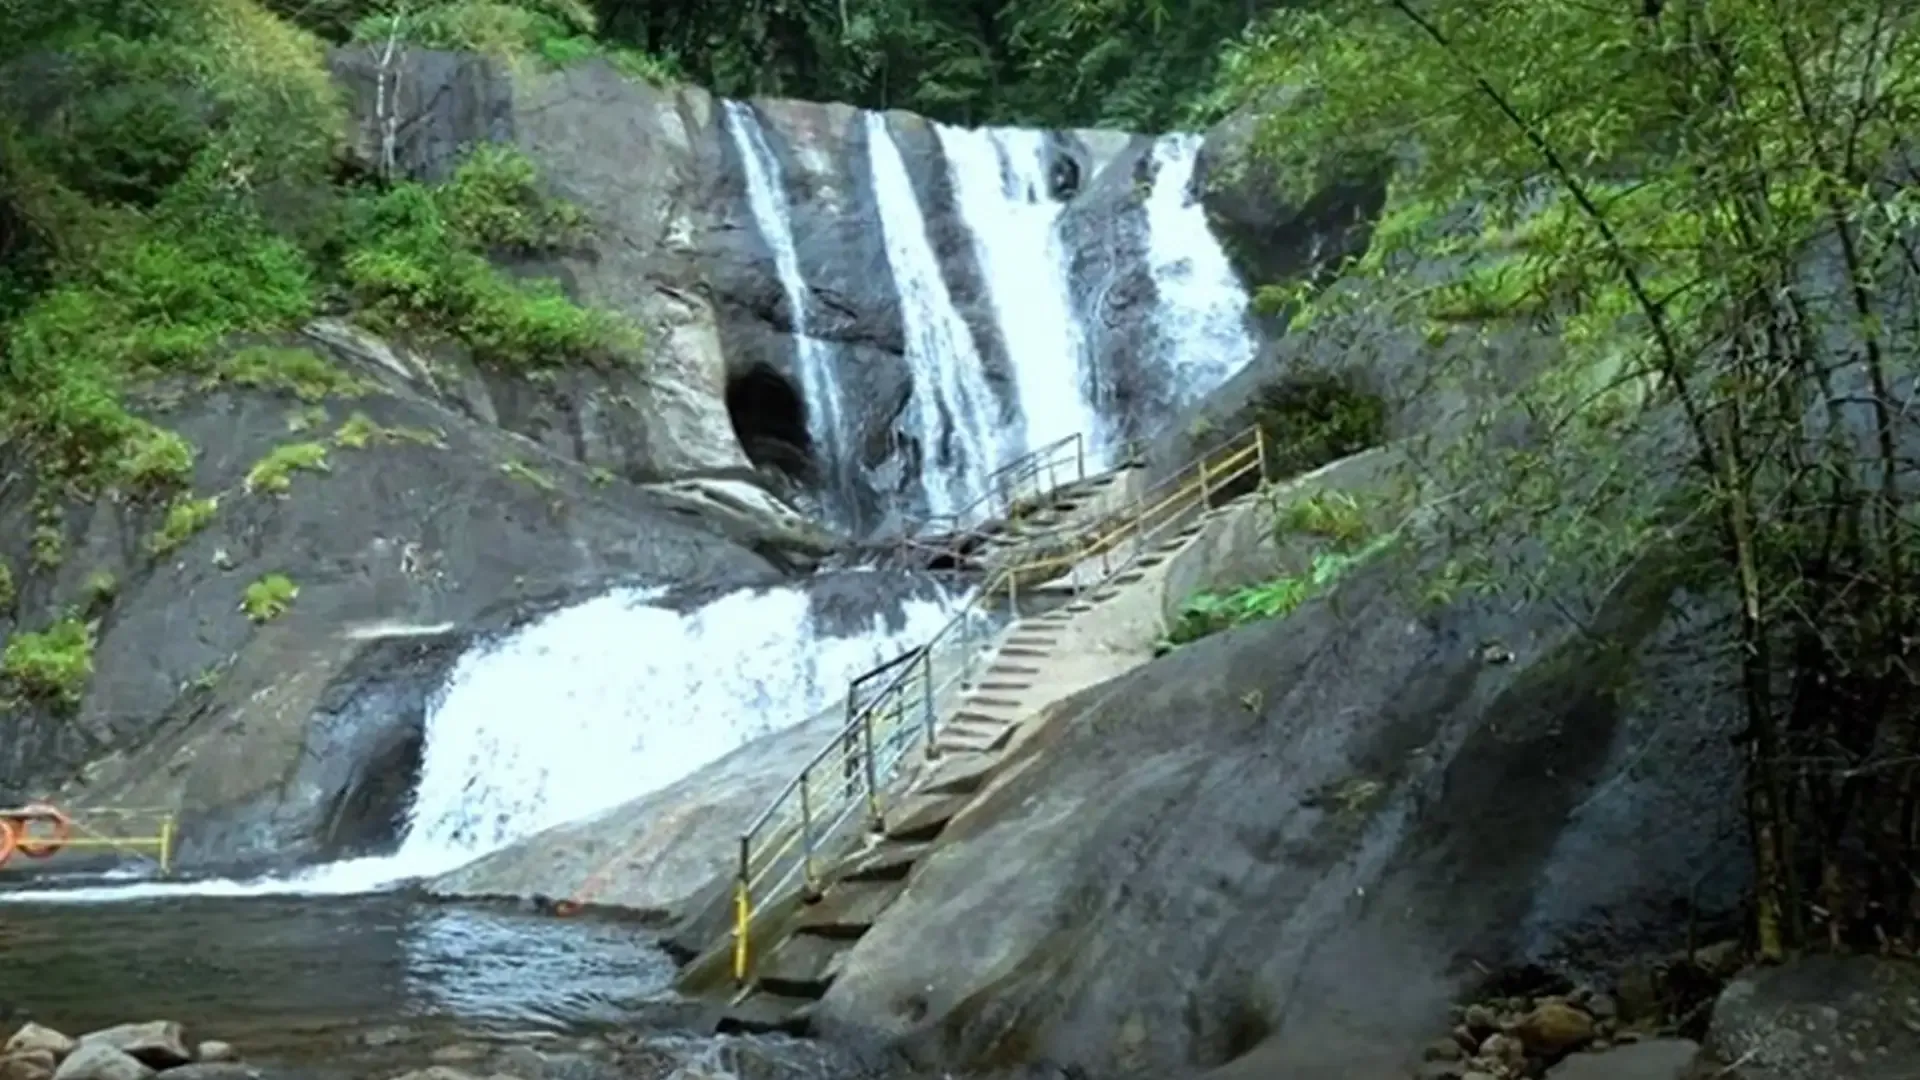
(1283, 851)
(1821, 1018)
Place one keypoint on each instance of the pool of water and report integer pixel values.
(343, 981)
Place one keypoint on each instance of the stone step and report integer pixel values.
(1012, 669)
(767, 1014)
(1025, 650)
(975, 740)
(887, 862)
(848, 908)
(920, 818)
(963, 772)
(1013, 686)
(994, 702)
(803, 966)
(966, 715)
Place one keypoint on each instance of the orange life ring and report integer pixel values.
(6, 840)
(43, 848)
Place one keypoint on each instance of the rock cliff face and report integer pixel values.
(1284, 851)
(297, 737)
(661, 175)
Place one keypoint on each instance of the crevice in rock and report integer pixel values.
(769, 418)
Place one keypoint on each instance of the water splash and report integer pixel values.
(1000, 179)
(581, 711)
(819, 383)
(952, 410)
(1202, 320)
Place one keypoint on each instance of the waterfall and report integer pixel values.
(1202, 317)
(1000, 179)
(584, 710)
(819, 383)
(952, 412)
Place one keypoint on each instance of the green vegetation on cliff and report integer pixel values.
(1709, 206)
(168, 182)
(1144, 65)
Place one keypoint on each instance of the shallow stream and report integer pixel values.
(360, 986)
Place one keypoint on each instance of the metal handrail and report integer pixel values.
(1005, 487)
(786, 840)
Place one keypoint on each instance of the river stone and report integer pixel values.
(159, 1043)
(1822, 1018)
(39, 1037)
(1655, 1059)
(1553, 1028)
(28, 1065)
(101, 1061)
(214, 1051)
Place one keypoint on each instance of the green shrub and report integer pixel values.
(269, 597)
(51, 666)
(179, 114)
(1209, 613)
(273, 474)
(8, 593)
(1315, 419)
(101, 588)
(416, 261)
(186, 516)
(301, 372)
(558, 33)
(1332, 515)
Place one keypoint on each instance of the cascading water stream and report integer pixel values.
(953, 412)
(1202, 317)
(819, 383)
(584, 710)
(1000, 179)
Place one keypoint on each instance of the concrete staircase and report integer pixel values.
(1040, 659)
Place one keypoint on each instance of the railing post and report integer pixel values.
(1079, 456)
(1206, 491)
(806, 834)
(1260, 448)
(742, 911)
(926, 706)
(166, 844)
(873, 777)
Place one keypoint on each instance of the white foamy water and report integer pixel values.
(581, 711)
(952, 410)
(1202, 315)
(819, 383)
(1001, 188)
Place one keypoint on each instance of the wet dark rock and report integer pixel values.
(1268, 240)
(1105, 230)
(1169, 887)
(1654, 1059)
(294, 738)
(1821, 1018)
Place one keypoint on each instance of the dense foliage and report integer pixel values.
(1140, 64)
(171, 189)
(1709, 204)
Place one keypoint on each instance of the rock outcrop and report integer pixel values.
(1286, 850)
(404, 525)
(660, 175)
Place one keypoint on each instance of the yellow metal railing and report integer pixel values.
(43, 831)
(1013, 489)
(896, 707)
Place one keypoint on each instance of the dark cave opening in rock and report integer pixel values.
(770, 419)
